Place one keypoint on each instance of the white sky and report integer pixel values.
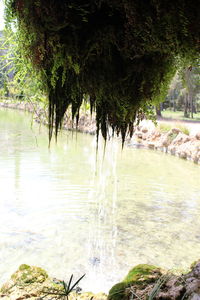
(1, 15)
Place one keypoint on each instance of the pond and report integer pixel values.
(71, 212)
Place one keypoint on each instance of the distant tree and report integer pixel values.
(184, 89)
(16, 73)
(191, 82)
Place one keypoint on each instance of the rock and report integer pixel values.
(175, 131)
(144, 137)
(175, 292)
(151, 145)
(118, 291)
(33, 283)
(139, 135)
(161, 143)
(155, 135)
(144, 130)
(197, 136)
(148, 282)
(189, 150)
(142, 273)
(172, 149)
(182, 154)
(195, 297)
(181, 138)
(196, 157)
(135, 282)
(166, 139)
(87, 296)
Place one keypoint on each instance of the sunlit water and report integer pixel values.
(68, 213)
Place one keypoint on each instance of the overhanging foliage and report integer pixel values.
(120, 53)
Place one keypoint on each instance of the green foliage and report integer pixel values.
(157, 287)
(67, 288)
(122, 54)
(184, 91)
(165, 127)
(183, 129)
(22, 81)
(178, 115)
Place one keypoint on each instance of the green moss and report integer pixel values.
(194, 264)
(4, 289)
(122, 54)
(142, 272)
(24, 267)
(117, 292)
(29, 274)
(138, 276)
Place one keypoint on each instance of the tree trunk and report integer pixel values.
(158, 111)
(190, 100)
(174, 105)
(194, 108)
(186, 106)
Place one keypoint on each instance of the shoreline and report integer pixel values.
(142, 282)
(86, 124)
(174, 141)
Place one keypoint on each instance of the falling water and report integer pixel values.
(68, 211)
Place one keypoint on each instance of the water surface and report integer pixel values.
(67, 212)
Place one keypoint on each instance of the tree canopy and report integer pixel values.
(120, 53)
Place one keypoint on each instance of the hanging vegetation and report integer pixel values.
(121, 53)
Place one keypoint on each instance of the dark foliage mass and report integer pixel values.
(120, 54)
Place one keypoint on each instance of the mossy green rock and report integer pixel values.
(118, 291)
(139, 275)
(34, 283)
(27, 280)
(29, 274)
(143, 273)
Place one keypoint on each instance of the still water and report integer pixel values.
(68, 212)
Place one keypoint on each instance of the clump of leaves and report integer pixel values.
(63, 293)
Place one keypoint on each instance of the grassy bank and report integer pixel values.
(179, 115)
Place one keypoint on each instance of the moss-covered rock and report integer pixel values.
(149, 282)
(138, 277)
(143, 273)
(27, 280)
(29, 274)
(118, 291)
(34, 283)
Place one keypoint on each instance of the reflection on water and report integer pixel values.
(64, 211)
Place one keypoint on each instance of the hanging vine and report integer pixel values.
(120, 53)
